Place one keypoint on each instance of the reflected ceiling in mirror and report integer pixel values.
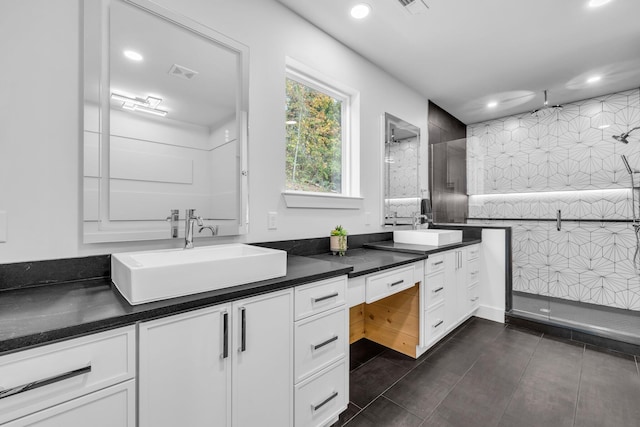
(165, 102)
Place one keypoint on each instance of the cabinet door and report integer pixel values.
(184, 377)
(111, 407)
(263, 360)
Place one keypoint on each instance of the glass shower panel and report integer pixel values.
(448, 181)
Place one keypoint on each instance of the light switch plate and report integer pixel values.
(3, 226)
(272, 221)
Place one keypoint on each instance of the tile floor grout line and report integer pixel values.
(462, 376)
(398, 380)
(575, 410)
(387, 389)
(521, 376)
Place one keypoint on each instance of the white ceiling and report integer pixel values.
(461, 54)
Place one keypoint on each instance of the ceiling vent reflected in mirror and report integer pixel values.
(414, 7)
(182, 72)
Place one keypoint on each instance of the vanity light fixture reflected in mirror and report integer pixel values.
(165, 123)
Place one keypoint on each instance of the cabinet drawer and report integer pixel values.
(473, 297)
(65, 371)
(434, 323)
(435, 289)
(473, 271)
(382, 285)
(112, 407)
(473, 252)
(434, 263)
(322, 397)
(320, 341)
(320, 296)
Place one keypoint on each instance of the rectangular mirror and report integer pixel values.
(401, 177)
(165, 117)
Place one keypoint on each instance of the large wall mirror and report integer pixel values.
(165, 123)
(401, 165)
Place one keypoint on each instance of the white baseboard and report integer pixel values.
(495, 314)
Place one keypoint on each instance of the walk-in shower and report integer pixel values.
(578, 272)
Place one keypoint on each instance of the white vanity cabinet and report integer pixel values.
(321, 368)
(451, 291)
(226, 365)
(75, 383)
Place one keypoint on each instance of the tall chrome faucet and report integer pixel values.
(190, 219)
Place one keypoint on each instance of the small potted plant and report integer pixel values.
(338, 240)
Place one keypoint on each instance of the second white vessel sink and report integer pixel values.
(431, 237)
(156, 275)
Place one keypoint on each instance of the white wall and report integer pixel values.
(40, 131)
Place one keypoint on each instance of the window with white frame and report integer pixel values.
(321, 145)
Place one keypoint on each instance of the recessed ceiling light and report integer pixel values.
(133, 55)
(360, 11)
(594, 79)
(492, 104)
(598, 3)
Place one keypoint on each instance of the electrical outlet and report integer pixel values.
(272, 220)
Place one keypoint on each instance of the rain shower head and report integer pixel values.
(546, 109)
(623, 137)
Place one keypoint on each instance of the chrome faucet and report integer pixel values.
(418, 220)
(190, 219)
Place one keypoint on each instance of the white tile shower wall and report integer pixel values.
(528, 168)
(403, 182)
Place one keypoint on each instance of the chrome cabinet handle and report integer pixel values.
(325, 401)
(323, 343)
(438, 263)
(399, 282)
(559, 220)
(438, 324)
(225, 335)
(326, 297)
(43, 382)
(435, 291)
(243, 329)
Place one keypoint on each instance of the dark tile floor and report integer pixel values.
(489, 374)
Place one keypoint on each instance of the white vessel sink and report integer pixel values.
(156, 275)
(429, 237)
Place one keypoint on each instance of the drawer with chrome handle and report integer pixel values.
(322, 397)
(387, 283)
(473, 252)
(320, 341)
(473, 297)
(34, 379)
(320, 296)
(434, 263)
(435, 288)
(434, 322)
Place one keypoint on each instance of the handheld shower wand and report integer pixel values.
(623, 137)
(636, 220)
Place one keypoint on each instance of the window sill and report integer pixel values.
(295, 199)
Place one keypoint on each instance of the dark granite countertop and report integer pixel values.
(40, 315)
(378, 256)
(390, 245)
(365, 261)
